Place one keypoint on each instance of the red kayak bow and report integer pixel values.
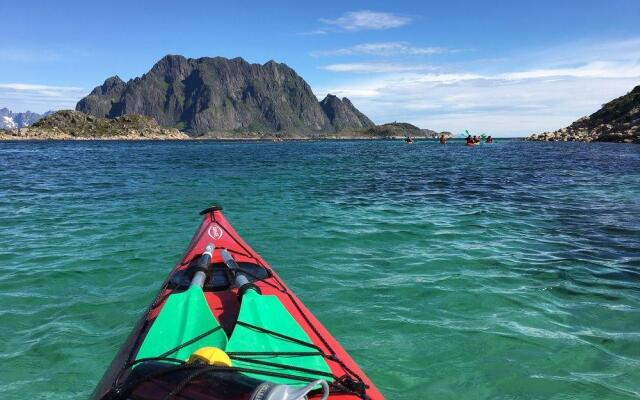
(261, 344)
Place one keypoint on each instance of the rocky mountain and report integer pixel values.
(616, 121)
(11, 120)
(206, 96)
(101, 100)
(77, 125)
(343, 115)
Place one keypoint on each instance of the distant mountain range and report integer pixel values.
(11, 120)
(616, 121)
(206, 96)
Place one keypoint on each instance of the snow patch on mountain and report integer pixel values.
(7, 123)
(11, 120)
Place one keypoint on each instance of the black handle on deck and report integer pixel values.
(240, 279)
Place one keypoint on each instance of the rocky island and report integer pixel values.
(211, 98)
(616, 121)
(69, 125)
(392, 130)
(220, 97)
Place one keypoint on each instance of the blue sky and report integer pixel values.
(507, 67)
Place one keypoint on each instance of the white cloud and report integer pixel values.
(598, 69)
(377, 67)
(381, 49)
(39, 98)
(31, 87)
(501, 107)
(27, 55)
(365, 20)
(548, 95)
(626, 50)
(319, 31)
(456, 102)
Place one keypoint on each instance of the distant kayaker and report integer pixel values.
(476, 139)
(443, 139)
(489, 139)
(408, 139)
(469, 139)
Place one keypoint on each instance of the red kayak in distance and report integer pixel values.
(252, 339)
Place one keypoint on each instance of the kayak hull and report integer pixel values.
(225, 306)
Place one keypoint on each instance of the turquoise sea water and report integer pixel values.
(508, 271)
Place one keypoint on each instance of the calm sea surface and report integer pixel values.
(508, 271)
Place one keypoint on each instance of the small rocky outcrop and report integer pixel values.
(616, 121)
(400, 130)
(208, 95)
(395, 129)
(70, 124)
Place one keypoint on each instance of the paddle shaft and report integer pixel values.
(184, 316)
(241, 282)
(203, 264)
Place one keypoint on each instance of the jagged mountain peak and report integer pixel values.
(111, 85)
(343, 115)
(214, 94)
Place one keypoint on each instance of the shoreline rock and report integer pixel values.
(33, 135)
(52, 136)
(617, 121)
(75, 125)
